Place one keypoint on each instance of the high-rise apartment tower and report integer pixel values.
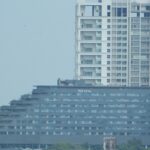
(113, 42)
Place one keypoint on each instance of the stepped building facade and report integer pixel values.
(74, 112)
(113, 42)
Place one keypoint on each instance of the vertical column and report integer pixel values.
(104, 42)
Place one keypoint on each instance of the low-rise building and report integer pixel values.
(74, 112)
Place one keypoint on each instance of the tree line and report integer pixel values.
(130, 145)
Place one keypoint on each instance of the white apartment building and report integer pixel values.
(113, 42)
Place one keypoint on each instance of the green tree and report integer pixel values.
(62, 146)
(132, 145)
(67, 146)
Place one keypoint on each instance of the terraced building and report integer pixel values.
(75, 112)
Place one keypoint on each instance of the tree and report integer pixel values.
(62, 146)
(67, 146)
(132, 145)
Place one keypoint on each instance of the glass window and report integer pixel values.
(108, 14)
(108, 7)
(119, 12)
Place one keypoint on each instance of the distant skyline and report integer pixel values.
(36, 45)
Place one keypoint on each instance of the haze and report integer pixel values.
(36, 45)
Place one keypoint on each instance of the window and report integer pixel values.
(108, 26)
(124, 12)
(108, 14)
(147, 14)
(108, 80)
(147, 7)
(88, 37)
(108, 32)
(120, 12)
(87, 10)
(108, 38)
(108, 7)
(87, 49)
(123, 80)
(138, 14)
(108, 44)
(87, 73)
(108, 74)
(108, 20)
(108, 62)
(108, 50)
(88, 25)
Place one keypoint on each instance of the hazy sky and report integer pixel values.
(36, 44)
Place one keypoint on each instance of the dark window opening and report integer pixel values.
(146, 14)
(108, 7)
(120, 12)
(108, 14)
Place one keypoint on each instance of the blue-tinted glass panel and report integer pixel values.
(146, 14)
(114, 12)
(119, 12)
(108, 7)
(147, 7)
(138, 14)
(92, 10)
(124, 11)
(100, 10)
(108, 14)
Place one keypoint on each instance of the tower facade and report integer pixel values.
(113, 42)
